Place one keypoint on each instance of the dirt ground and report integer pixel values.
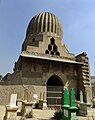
(45, 114)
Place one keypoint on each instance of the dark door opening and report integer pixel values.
(54, 91)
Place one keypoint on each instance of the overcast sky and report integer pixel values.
(76, 16)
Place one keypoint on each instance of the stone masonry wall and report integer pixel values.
(33, 78)
(24, 92)
(84, 76)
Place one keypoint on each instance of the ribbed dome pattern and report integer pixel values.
(45, 22)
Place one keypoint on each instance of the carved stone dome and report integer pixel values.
(45, 22)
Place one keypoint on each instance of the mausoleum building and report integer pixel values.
(45, 66)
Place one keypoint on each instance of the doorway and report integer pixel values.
(54, 91)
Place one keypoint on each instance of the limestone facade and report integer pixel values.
(45, 61)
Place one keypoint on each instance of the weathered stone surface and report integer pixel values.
(45, 57)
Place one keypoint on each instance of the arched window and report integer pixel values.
(52, 41)
(47, 52)
(49, 47)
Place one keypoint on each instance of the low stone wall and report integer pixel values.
(24, 92)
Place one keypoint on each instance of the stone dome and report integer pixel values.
(44, 22)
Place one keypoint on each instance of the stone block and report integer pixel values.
(85, 109)
(42, 104)
(27, 109)
(10, 113)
